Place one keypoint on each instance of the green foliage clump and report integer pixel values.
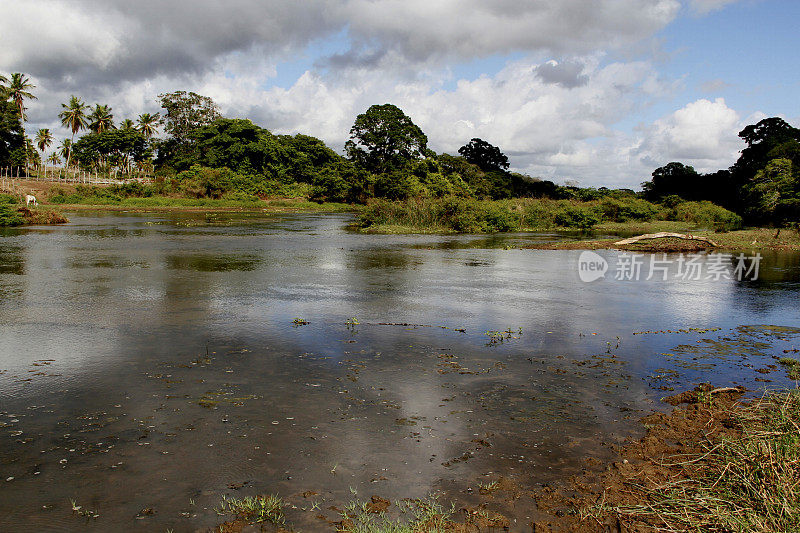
(117, 148)
(87, 194)
(461, 215)
(577, 216)
(9, 216)
(255, 509)
(792, 365)
(8, 199)
(707, 215)
(384, 138)
(622, 210)
(204, 182)
(773, 194)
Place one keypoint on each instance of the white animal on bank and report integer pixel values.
(30, 199)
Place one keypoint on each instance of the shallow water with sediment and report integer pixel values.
(152, 363)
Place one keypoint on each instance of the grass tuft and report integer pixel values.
(416, 516)
(254, 508)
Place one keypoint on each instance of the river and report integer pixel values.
(152, 363)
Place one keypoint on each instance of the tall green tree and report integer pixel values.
(485, 155)
(761, 139)
(73, 116)
(18, 90)
(127, 124)
(12, 139)
(101, 119)
(773, 194)
(672, 179)
(118, 147)
(186, 112)
(147, 124)
(384, 139)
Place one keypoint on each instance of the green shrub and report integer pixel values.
(9, 216)
(707, 215)
(8, 199)
(498, 218)
(625, 209)
(542, 213)
(575, 216)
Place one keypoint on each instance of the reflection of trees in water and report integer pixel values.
(381, 258)
(11, 260)
(777, 269)
(382, 276)
(212, 262)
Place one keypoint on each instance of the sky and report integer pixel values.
(599, 92)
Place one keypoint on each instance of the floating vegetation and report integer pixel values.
(212, 399)
(499, 337)
(254, 509)
(685, 330)
(409, 325)
(78, 510)
(297, 322)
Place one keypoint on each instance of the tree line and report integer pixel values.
(763, 185)
(202, 153)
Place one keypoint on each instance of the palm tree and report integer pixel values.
(126, 124)
(65, 149)
(18, 91)
(101, 119)
(44, 139)
(53, 159)
(148, 123)
(73, 116)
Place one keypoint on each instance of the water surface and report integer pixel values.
(152, 362)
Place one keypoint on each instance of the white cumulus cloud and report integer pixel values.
(702, 134)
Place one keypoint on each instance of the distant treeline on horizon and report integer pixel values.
(203, 154)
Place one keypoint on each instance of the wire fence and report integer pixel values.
(60, 174)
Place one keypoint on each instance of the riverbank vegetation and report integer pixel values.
(189, 151)
(14, 213)
(738, 472)
(466, 215)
